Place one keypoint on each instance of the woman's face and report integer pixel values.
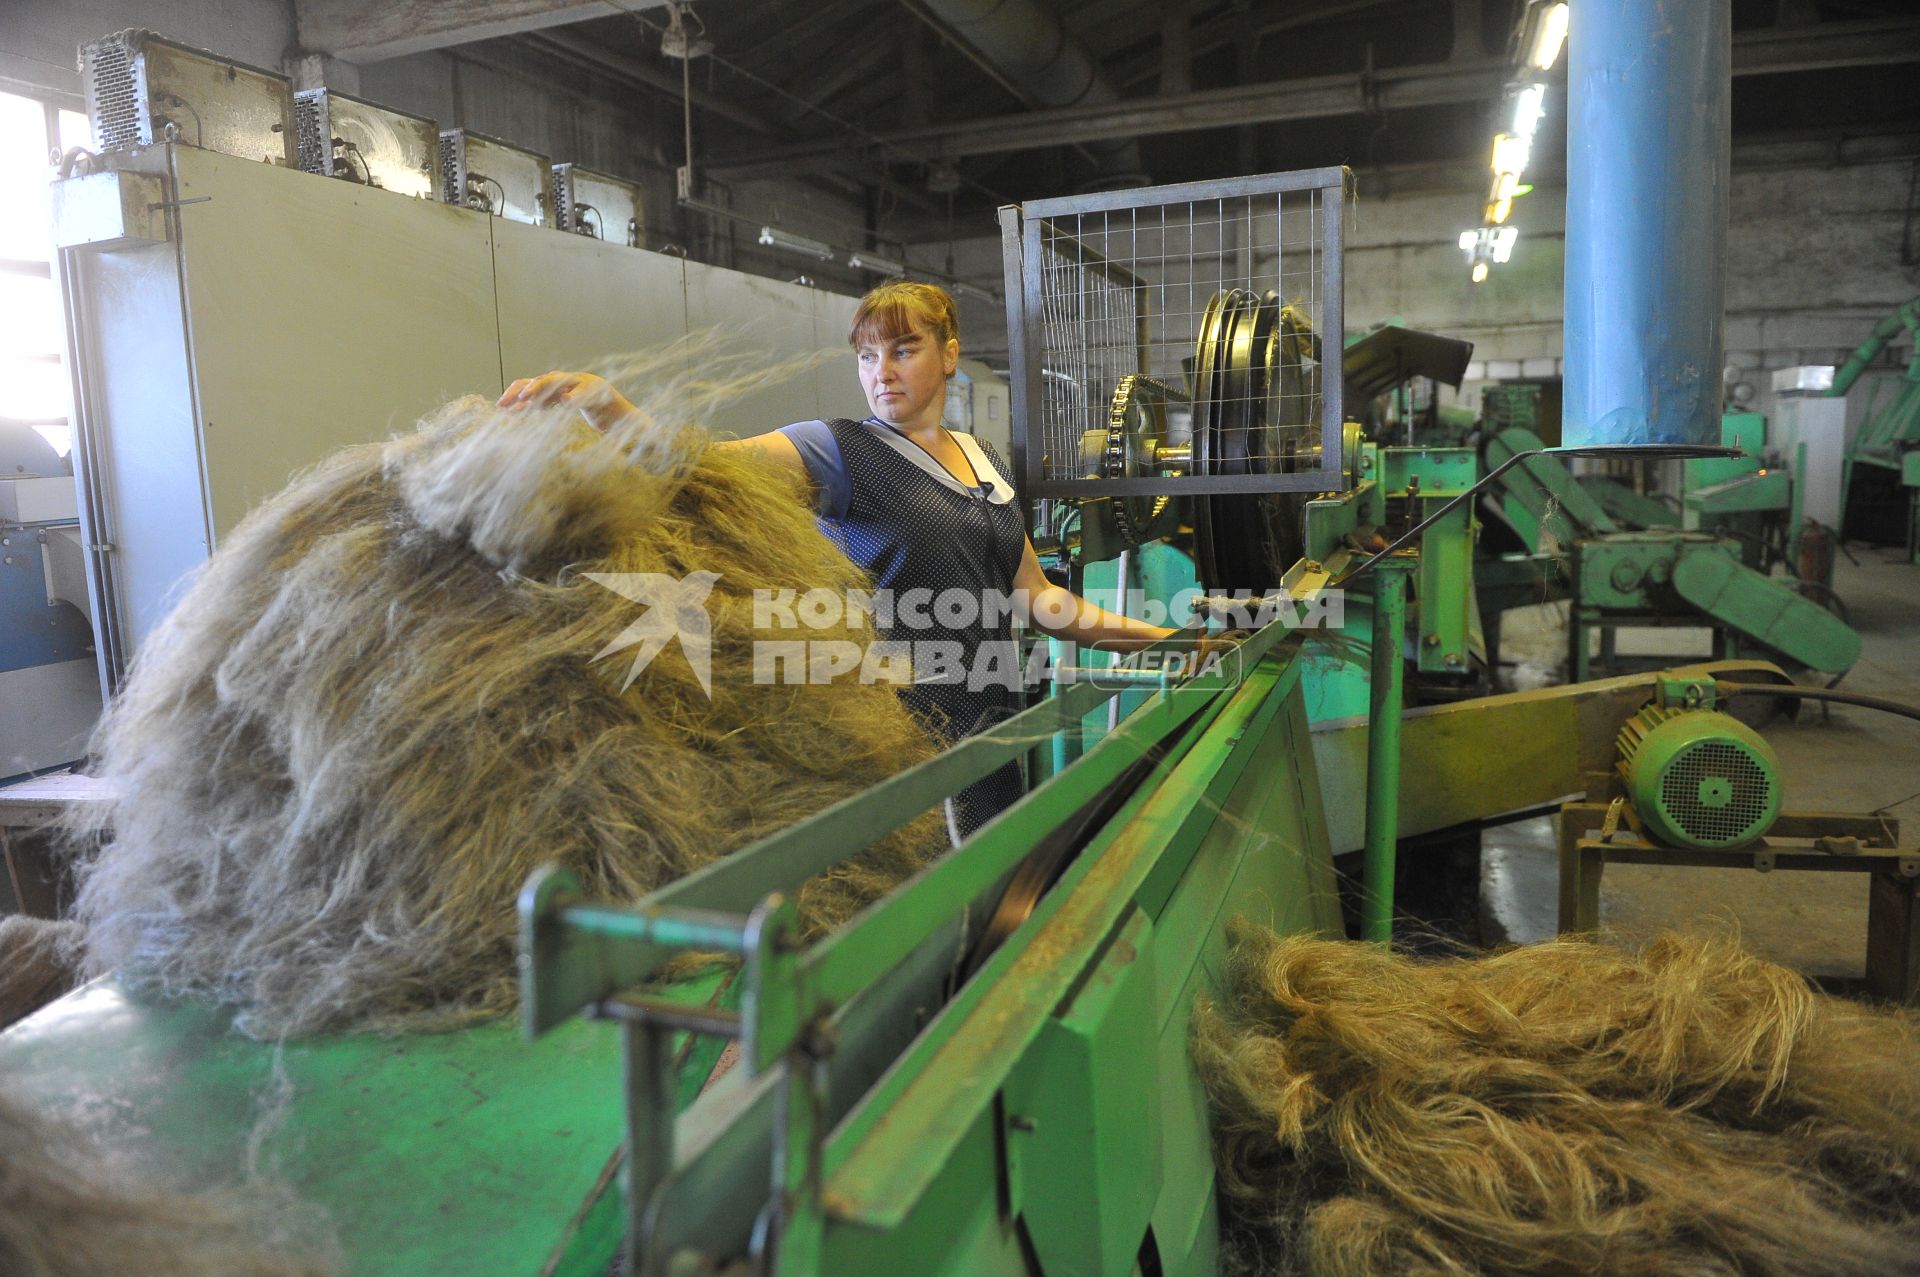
(905, 380)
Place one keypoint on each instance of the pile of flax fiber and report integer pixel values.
(394, 692)
(1564, 1108)
(66, 1210)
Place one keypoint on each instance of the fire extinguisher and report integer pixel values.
(1816, 554)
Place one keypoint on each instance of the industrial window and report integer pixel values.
(34, 389)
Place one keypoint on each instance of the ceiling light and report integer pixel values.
(875, 263)
(676, 41)
(1479, 272)
(1468, 239)
(1549, 35)
(1502, 241)
(1498, 210)
(1528, 106)
(1510, 155)
(774, 237)
(978, 294)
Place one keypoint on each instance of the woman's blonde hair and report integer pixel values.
(902, 306)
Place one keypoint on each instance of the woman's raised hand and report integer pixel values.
(602, 405)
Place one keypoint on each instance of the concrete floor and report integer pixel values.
(1846, 759)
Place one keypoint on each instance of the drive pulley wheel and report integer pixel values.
(1255, 401)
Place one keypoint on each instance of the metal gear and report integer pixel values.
(1136, 431)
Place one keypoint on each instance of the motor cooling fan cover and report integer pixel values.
(1698, 778)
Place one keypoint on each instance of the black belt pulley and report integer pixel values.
(1255, 411)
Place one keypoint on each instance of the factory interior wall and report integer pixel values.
(1813, 256)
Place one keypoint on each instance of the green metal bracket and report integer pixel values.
(1428, 472)
(1684, 693)
(1383, 744)
(1330, 520)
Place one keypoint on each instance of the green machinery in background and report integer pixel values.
(1889, 435)
(1751, 497)
(1617, 576)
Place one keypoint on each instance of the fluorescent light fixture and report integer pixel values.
(774, 237)
(978, 294)
(874, 262)
(1549, 36)
(1528, 106)
(1498, 210)
(1479, 272)
(1502, 241)
(1468, 239)
(1510, 155)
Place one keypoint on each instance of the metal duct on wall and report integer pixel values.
(1027, 44)
(1648, 137)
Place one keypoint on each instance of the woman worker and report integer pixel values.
(918, 508)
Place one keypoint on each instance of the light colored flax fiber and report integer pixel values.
(1564, 1108)
(384, 703)
(68, 1210)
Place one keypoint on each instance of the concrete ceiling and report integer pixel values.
(909, 97)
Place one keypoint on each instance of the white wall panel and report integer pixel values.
(324, 314)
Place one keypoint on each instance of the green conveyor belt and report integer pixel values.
(440, 1153)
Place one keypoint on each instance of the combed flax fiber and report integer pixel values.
(67, 1211)
(1564, 1108)
(35, 964)
(389, 697)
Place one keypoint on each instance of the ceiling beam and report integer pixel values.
(639, 75)
(1764, 51)
(372, 30)
(1315, 97)
(1225, 28)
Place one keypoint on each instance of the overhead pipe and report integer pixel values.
(1025, 43)
(1648, 140)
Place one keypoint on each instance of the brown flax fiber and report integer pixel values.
(1564, 1108)
(388, 699)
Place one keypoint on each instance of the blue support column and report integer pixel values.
(1649, 88)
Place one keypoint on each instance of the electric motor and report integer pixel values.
(1698, 778)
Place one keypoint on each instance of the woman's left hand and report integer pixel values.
(602, 405)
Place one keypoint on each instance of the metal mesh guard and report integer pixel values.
(112, 93)
(1739, 795)
(1220, 291)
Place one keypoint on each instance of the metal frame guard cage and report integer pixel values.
(1167, 340)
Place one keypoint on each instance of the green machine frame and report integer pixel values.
(1889, 436)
